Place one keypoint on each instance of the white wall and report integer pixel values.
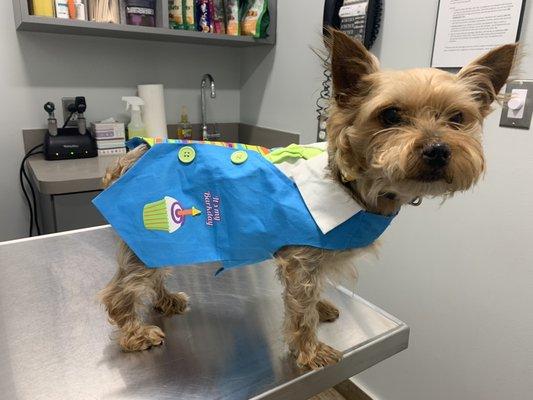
(38, 67)
(280, 85)
(459, 274)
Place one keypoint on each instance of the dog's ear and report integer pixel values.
(488, 73)
(350, 62)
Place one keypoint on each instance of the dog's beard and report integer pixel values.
(395, 165)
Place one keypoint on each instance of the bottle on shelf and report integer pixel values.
(71, 9)
(62, 9)
(80, 10)
(189, 15)
(140, 12)
(43, 8)
(184, 127)
(175, 14)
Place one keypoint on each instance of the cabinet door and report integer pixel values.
(75, 211)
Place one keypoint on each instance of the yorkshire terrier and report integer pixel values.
(393, 137)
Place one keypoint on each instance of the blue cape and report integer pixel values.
(211, 209)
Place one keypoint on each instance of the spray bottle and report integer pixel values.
(136, 125)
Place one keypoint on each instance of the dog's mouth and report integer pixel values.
(433, 175)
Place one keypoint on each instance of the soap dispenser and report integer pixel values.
(184, 127)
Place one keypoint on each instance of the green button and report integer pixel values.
(186, 154)
(238, 157)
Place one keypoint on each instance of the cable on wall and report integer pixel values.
(32, 203)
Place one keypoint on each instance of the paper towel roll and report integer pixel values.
(154, 115)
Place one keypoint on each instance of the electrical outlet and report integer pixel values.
(322, 134)
(65, 102)
(517, 110)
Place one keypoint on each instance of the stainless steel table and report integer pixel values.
(56, 343)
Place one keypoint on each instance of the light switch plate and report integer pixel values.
(521, 93)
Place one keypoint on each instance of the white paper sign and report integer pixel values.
(468, 28)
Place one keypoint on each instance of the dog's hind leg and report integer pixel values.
(300, 274)
(168, 303)
(124, 299)
(327, 312)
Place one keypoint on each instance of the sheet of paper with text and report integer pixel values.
(468, 28)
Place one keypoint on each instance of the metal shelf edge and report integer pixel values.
(33, 23)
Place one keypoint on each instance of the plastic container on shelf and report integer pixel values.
(141, 12)
(81, 14)
(43, 8)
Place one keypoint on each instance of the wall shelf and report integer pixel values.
(24, 21)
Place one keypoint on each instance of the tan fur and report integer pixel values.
(381, 166)
(122, 165)
(377, 160)
(126, 296)
(133, 285)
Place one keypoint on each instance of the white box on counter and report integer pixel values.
(111, 152)
(110, 144)
(108, 130)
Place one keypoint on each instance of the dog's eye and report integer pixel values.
(457, 118)
(391, 116)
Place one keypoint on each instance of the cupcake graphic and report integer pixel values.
(166, 215)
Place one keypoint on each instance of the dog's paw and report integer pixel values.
(327, 312)
(173, 303)
(141, 338)
(323, 356)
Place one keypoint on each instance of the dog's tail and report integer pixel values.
(119, 168)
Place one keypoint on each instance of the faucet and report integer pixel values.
(207, 78)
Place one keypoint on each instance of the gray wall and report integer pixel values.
(460, 274)
(280, 85)
(37, 67)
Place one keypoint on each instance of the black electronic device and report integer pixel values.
(360, 19)
(69, 144)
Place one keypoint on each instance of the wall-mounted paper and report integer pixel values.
(468, 28)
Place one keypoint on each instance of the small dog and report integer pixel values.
(393, 137)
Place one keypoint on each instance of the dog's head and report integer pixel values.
(412, 133)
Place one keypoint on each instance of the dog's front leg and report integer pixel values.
(124, 298)
(302, 281)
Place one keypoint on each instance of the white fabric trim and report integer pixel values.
(329, 203)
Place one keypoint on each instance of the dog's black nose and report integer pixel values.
(436, 155)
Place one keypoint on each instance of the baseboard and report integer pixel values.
(351, 391)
